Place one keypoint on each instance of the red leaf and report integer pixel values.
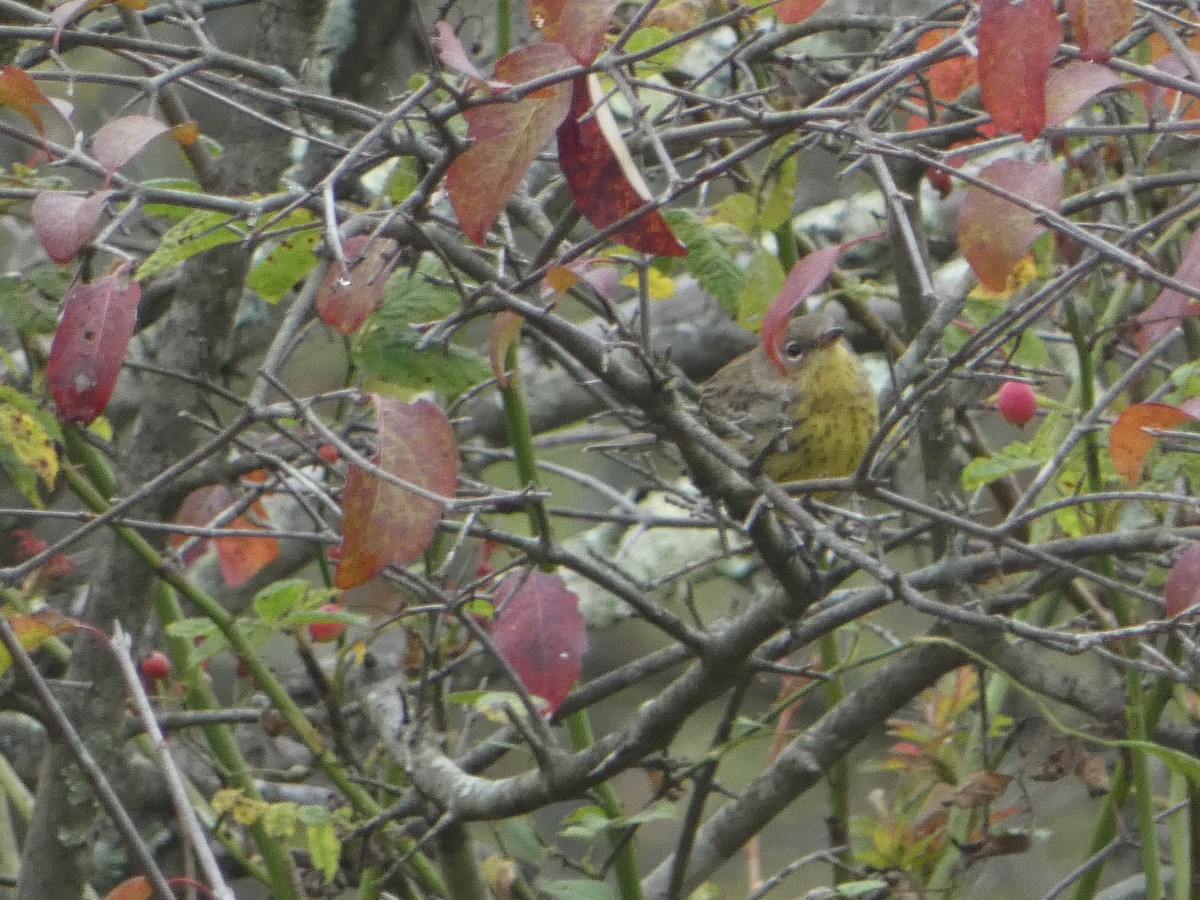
(506, 328)
(506, 137)
(1171, 307)
(604, 181)
(1128, 442)
(805, 277)
(64, 222)
(994, 233)
(579, 25)
(344, 300)
(791, 12)
(1017, 43)
(540, 633)
(89, 345)
(1182, 589)
(382, 522)
(1075, 85)
(118, 141)
(20, 92)
(1098, 24)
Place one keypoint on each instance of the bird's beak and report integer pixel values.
(831, 335)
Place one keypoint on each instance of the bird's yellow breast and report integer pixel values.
(835, 414)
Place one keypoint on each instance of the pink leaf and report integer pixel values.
(384, 523)
(540, 633)
(345, 299)
(64, 222)
(993, 232)
(1075, 85)
(804, 278)
(454, 56)
(118, 141)
(1171, 307)
(1017, 43)
(89, 345)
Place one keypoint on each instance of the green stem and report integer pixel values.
(838, 775)
(629, 881)
(504, 19)
(520, 437)
(1135, 708)
(363, 803)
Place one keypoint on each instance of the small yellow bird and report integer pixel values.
(820, 414)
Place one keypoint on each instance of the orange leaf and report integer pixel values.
(384, 523)
(791, 12)
(20, 92)
(136, 888)
(242, 557)
(1017, 43)
(1128, 441)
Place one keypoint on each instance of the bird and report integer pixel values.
(813, 419)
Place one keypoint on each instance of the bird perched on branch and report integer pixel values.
(810, 417)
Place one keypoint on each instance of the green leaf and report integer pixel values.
(764, 279)
(402, 180)
(708, 260)
(520, 840)
(577, 889)
(414, 296)
(284, 265)
(325, 849)
(314, 816)
(1015, 457)
(779, 187)
(738, 210)
(170, 210)
(279, 598)
(645, 39)
(23, 303)
(659, 811)
(388, 352)
(280, 819)
(201, 230)
(586, 823)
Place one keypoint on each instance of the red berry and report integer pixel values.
(1182, 590)
(326, 632)
(1016, 402)
(155, 666)
(328, 452)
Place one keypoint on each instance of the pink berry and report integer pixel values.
(326, 632)
(155, 666)
(1016, 402)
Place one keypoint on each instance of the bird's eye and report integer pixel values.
(793, 350)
